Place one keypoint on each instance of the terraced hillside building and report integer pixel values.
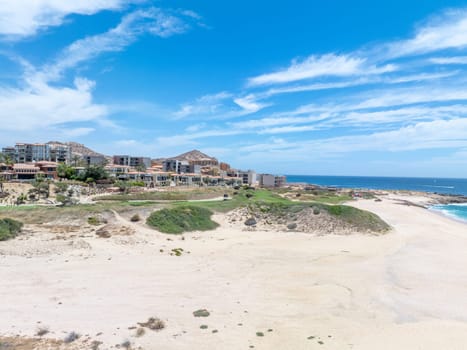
(36, 152)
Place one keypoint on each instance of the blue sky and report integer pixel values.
(298, 87)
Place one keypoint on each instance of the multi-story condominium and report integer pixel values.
(248, 177)
(59, 153)
(131, 161)
(176, 166)
(10, 153)
(31, 152)
(94, 160)
(36, 152)
(268, 180)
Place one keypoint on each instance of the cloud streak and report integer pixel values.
(22, 18)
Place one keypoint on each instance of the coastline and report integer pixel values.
(365, 290)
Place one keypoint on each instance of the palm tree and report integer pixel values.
(76, 159)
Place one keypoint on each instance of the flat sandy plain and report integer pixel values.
(406, 289)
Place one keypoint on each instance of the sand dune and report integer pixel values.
(403, 290)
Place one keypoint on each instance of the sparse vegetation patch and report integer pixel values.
(182, 219)
(9, 228)
(201, 313)
(153, 323)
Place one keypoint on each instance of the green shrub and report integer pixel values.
(9, 228)
(201, 313)
(182, 219)
(92, 220)
(135, 218)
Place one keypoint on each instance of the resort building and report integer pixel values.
(25, 171)
(36, 152)
(131, 161)
(59, 153)
(94, 160)
(118, 171)
(176, 166)
(268, 180)
(248, 177)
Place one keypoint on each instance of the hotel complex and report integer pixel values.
(27, 161)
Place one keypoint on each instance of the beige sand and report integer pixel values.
(404, 290)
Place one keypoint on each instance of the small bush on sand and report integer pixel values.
(93, 220)
(135, 218)
(41, 331)
(201, 313)
(182, 219)
(153, 323)
(140, 332)
(95, 344)
(259, 334)
(126, 345)
(9, 228)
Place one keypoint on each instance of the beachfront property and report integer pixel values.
(36, 152)
(268, 180)
(132, 161)
(176, 166)
(248, 177)
(30, 171)
(28, 161)
(94, 160)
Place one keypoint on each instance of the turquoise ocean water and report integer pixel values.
(434, 185)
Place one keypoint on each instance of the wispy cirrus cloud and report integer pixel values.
(447, 30)
(318, 66)
(24, 18)
(44, 101)
(449, 60)
(154, 21)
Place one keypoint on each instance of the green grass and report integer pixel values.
(358, 218)
(238, 200)
(167, 195)
(9, 228)
(182, 219)
(332, 199)
(44, 214)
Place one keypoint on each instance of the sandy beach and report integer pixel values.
(406, 289)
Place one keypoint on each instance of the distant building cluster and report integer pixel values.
(26, 161)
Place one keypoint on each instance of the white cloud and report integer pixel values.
(448, 31)
(449, 60)
(287, 129)
(204, 105)
(249, 104)
(153, 20)
(41, 106)
(316, 66)
(23, 18)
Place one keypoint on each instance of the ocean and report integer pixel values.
(434, 185)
